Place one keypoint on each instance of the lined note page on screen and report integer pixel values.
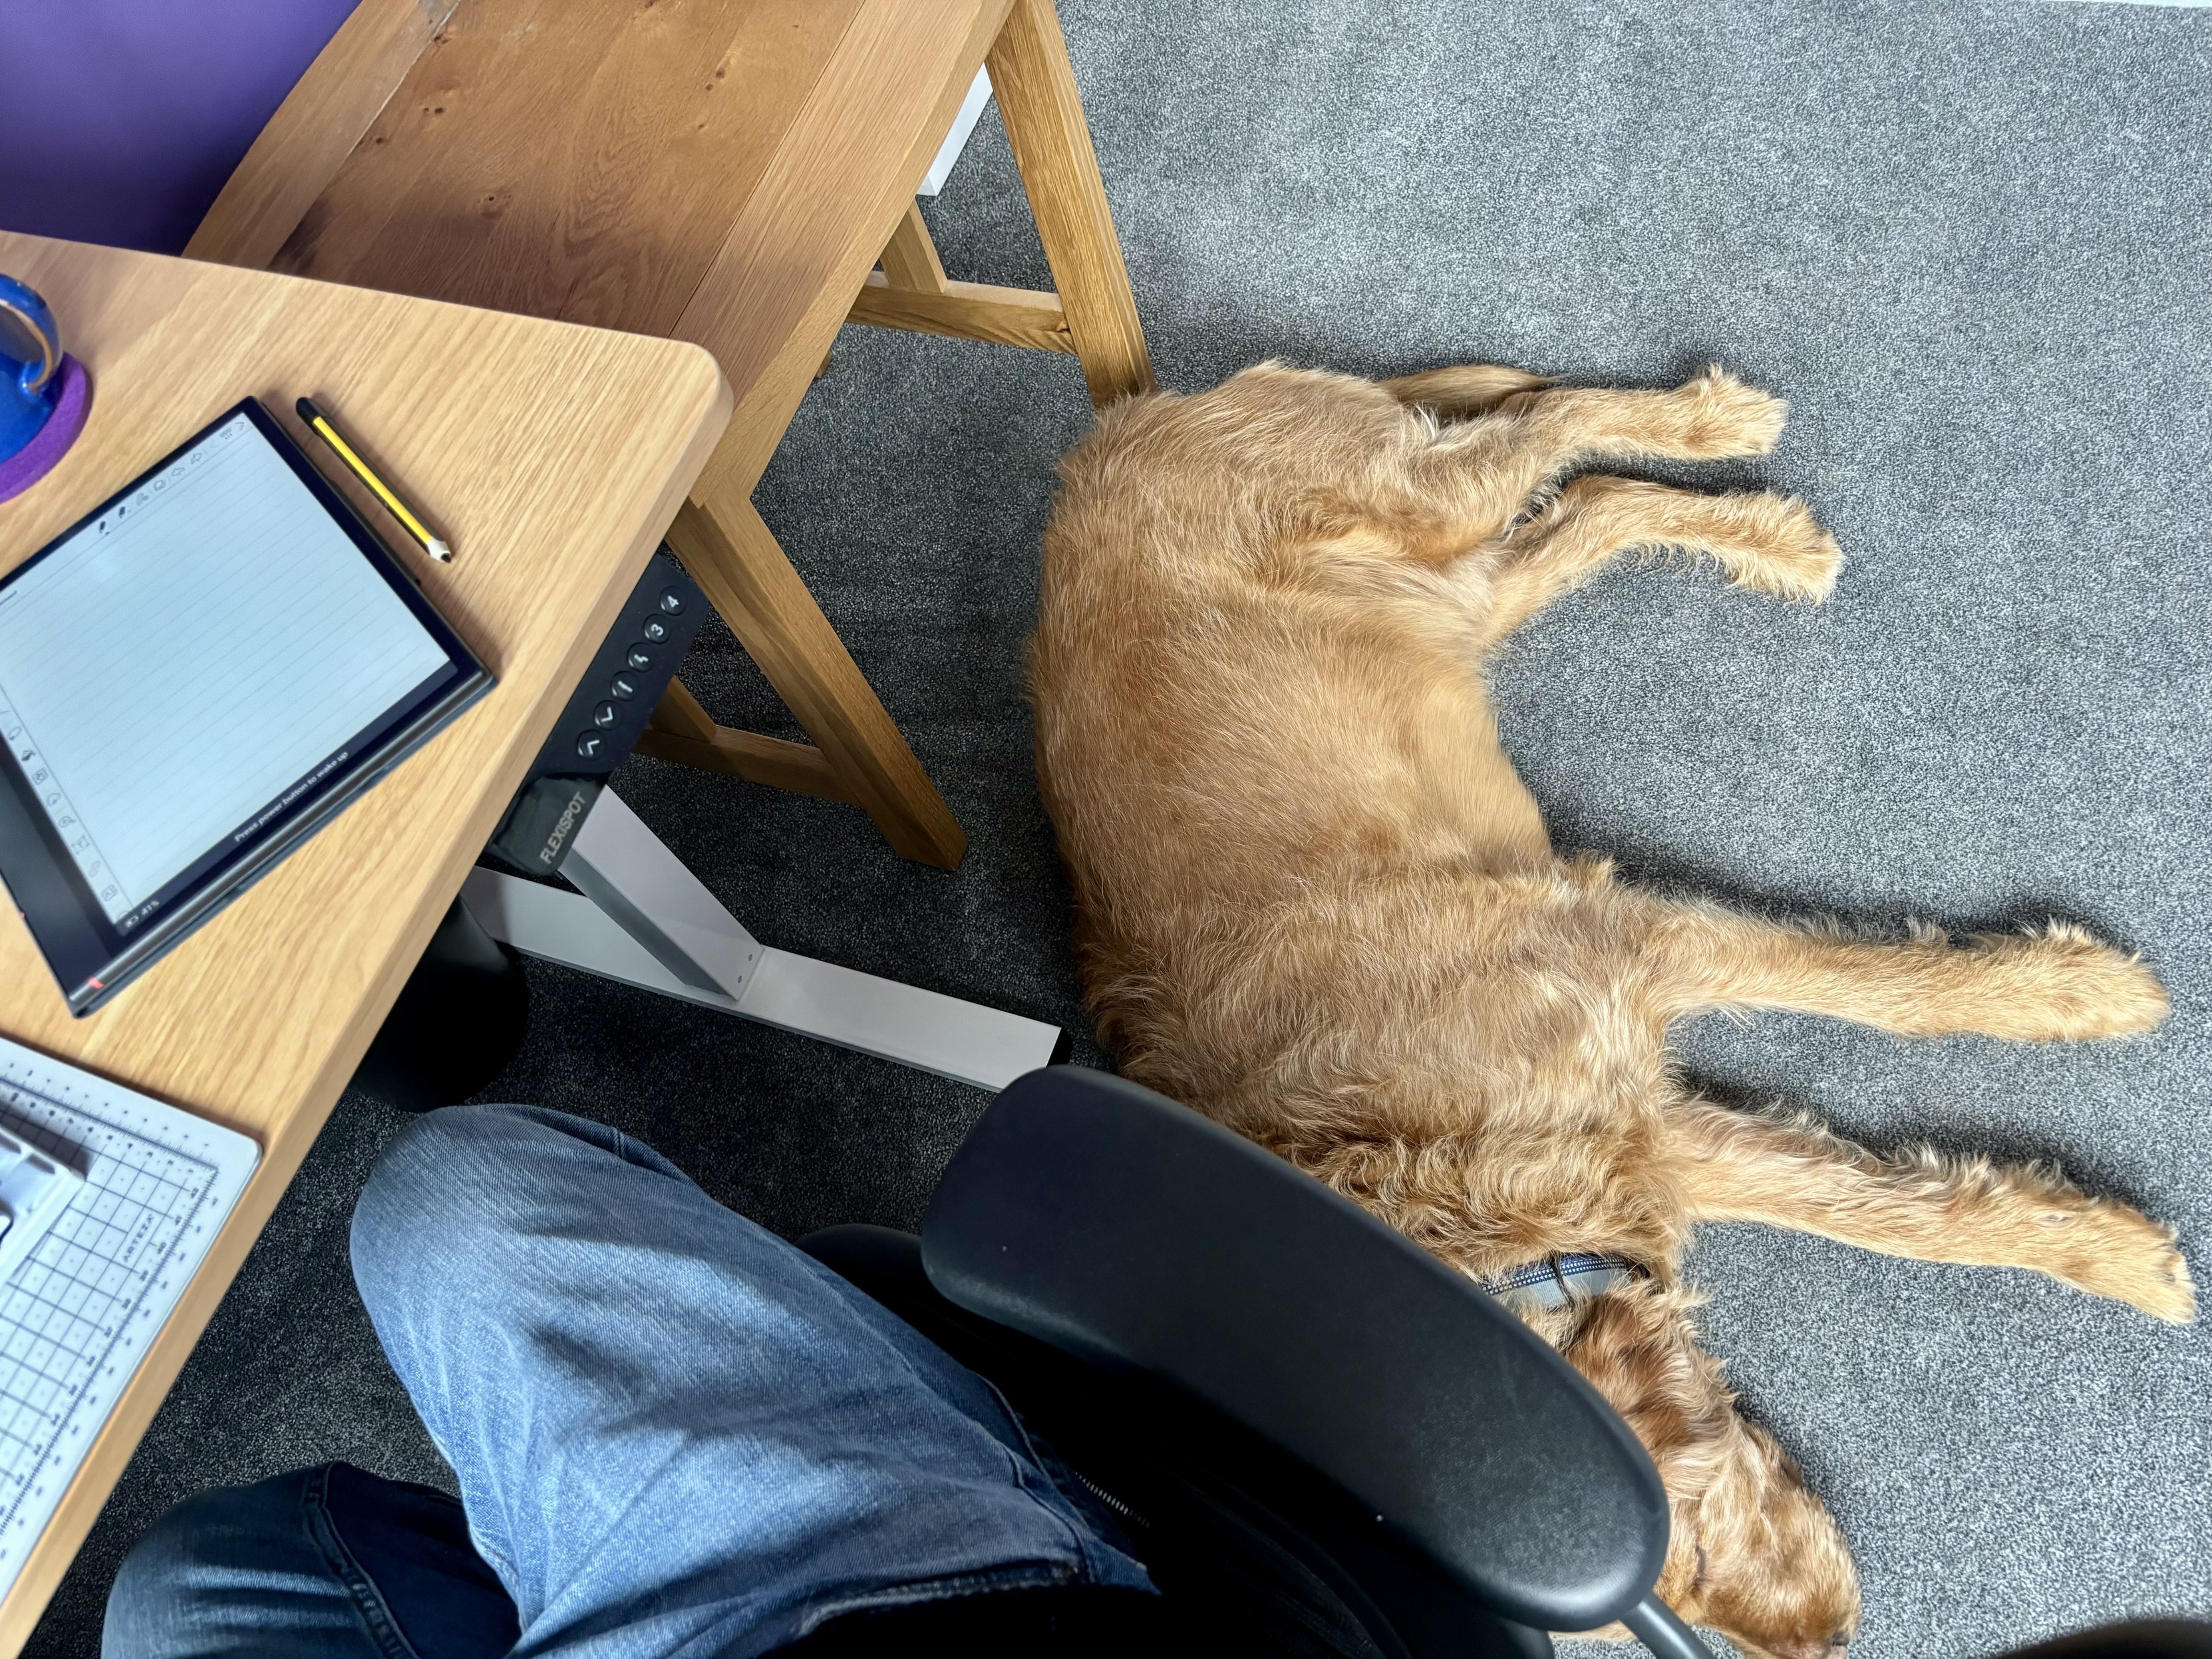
(172, 669)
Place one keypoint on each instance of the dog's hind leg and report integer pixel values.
(2042, 986)
(1762, 541)
(1793, 1172)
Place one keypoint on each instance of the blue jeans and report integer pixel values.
(674, 1435)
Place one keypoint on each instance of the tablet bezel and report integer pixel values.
(90, 955)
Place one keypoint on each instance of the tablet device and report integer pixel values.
(195, 677)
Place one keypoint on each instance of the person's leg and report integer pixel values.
(325, 1563)
(674, 1432)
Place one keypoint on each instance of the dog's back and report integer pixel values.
(1300, 857)
(1216, 639)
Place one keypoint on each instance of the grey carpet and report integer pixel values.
(1973, 245)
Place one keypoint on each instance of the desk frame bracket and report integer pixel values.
(641, 917)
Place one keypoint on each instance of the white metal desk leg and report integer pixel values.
(648, 921)
(629, 872)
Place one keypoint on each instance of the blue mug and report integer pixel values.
(30, 384)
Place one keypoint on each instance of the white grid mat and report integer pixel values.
(78, 1314)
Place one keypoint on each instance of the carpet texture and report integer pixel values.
(1972, 245)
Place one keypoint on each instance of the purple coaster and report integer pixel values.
(36, 459)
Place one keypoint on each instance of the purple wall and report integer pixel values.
(120, 119)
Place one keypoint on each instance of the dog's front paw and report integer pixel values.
(1728, 418)
(2121, 1253)
(2067, 987)
(1797, 558)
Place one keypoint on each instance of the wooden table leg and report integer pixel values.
(910, 258)
(1043, 114)
(681, 730)
(732, 556)
(912, 292)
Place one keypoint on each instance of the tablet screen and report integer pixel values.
(193, 659)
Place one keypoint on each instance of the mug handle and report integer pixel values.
(21, 301)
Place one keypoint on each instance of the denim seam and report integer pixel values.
(495, 1558)
(367, 1599)
(1026, 1470)
(1036, 1469)
(1007, 1575)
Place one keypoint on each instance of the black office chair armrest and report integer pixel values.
(1122, 1228)
(1256, 1554)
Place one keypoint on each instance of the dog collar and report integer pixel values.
(1559, 1281)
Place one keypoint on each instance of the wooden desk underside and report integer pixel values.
(720, 171)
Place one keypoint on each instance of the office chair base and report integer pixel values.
(458, 1021)
(643, 919)
(1655, 1625)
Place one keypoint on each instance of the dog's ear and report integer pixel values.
(1753, 1553)
(1778, 1577)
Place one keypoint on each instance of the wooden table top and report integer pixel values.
(720, 171)
(552, 457)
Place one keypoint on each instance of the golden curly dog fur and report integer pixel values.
(1316, 903)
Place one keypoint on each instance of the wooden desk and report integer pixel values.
(553, 458)
(721, 170)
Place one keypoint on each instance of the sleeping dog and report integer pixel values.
(1316, 902)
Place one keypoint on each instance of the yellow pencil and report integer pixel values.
(411, 521)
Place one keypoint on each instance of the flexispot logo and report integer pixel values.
(549, 854)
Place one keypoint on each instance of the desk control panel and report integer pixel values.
(606, 715)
